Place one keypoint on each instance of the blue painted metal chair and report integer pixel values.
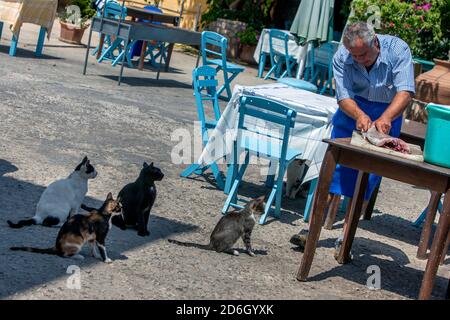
(15, 41)
(273, 148)
(262, 57)
(152, 46)
(214, 52)
(279, 55)
(205, 91)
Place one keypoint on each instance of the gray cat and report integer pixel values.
(231, 227)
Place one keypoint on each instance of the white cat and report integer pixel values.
(294, 174)
(61, 198)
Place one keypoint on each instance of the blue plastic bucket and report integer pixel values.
(437, 140)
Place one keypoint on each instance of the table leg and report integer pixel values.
(353, 217)
(445, 249)
(169, 55)
(40, 43)
(100, 45)
(318, 211)
(13, 47)
(1, 29)
(428, 225)
(369, 210)
(437, 249)
(142, 57)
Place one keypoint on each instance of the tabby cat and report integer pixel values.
(231, 227)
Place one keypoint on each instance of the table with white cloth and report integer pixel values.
(16, 12)
(294, 49)
(312, 123)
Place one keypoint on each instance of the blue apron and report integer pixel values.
(344, 179)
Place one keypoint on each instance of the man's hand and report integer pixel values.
(363, 122)
(383, 124)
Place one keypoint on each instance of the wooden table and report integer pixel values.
(365, 161)
(127, 30)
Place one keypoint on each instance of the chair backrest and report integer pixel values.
(281, 45)
(269, 111)
(205, 91)
(214, 44)
(114, 10)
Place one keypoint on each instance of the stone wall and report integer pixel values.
(229, 29)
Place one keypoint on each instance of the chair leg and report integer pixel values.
(232, 196)
(270, 175)
(269, 202)
(189, 170)
(218, 176)
(110, 50)
(14, 42)
(1, 29)
(309, 200)
(262, 64)
(40, 43)
(447, 244)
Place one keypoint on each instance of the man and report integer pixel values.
(374, 79)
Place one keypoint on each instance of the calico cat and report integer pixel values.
(231, 227)
(81, 228)
(61, 198)
(295, 173)
(138, 199)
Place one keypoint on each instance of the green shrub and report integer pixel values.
(424, 25)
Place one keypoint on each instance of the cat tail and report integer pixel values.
(191, 244)
(36, 250)
(22, 223)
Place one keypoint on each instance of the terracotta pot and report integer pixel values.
(246, 53)
(434, 85)
(71, 33)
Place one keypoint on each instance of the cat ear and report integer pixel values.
(109, 196)
(84, 160)
(151, 165)
(145, 165)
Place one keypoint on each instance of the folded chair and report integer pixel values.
(264, 144)
(205, 84)
(214, 52)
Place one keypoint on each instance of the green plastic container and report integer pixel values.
(437, 140)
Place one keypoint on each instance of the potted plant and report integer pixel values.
(248, 39)
(74, 20)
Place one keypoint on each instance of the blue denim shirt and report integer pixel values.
(392, 72)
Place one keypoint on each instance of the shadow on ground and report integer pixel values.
(22, 271)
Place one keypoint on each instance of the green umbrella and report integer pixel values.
(314, 21)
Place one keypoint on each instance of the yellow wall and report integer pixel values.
(173, 6)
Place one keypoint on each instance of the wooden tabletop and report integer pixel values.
(345, 144)
(140, 13)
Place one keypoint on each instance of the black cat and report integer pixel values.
(137, 200)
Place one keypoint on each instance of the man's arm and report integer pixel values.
(350, 108)
(403, 78)
(396, 108)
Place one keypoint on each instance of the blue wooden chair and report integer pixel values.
(273, 148)
(112, 10)
(319, 69)
(214, 52)
(423, 215)
(15, 41)
(279, 55)
(205, 91)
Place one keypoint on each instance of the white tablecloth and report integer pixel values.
(299, 52)
(312, 124)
